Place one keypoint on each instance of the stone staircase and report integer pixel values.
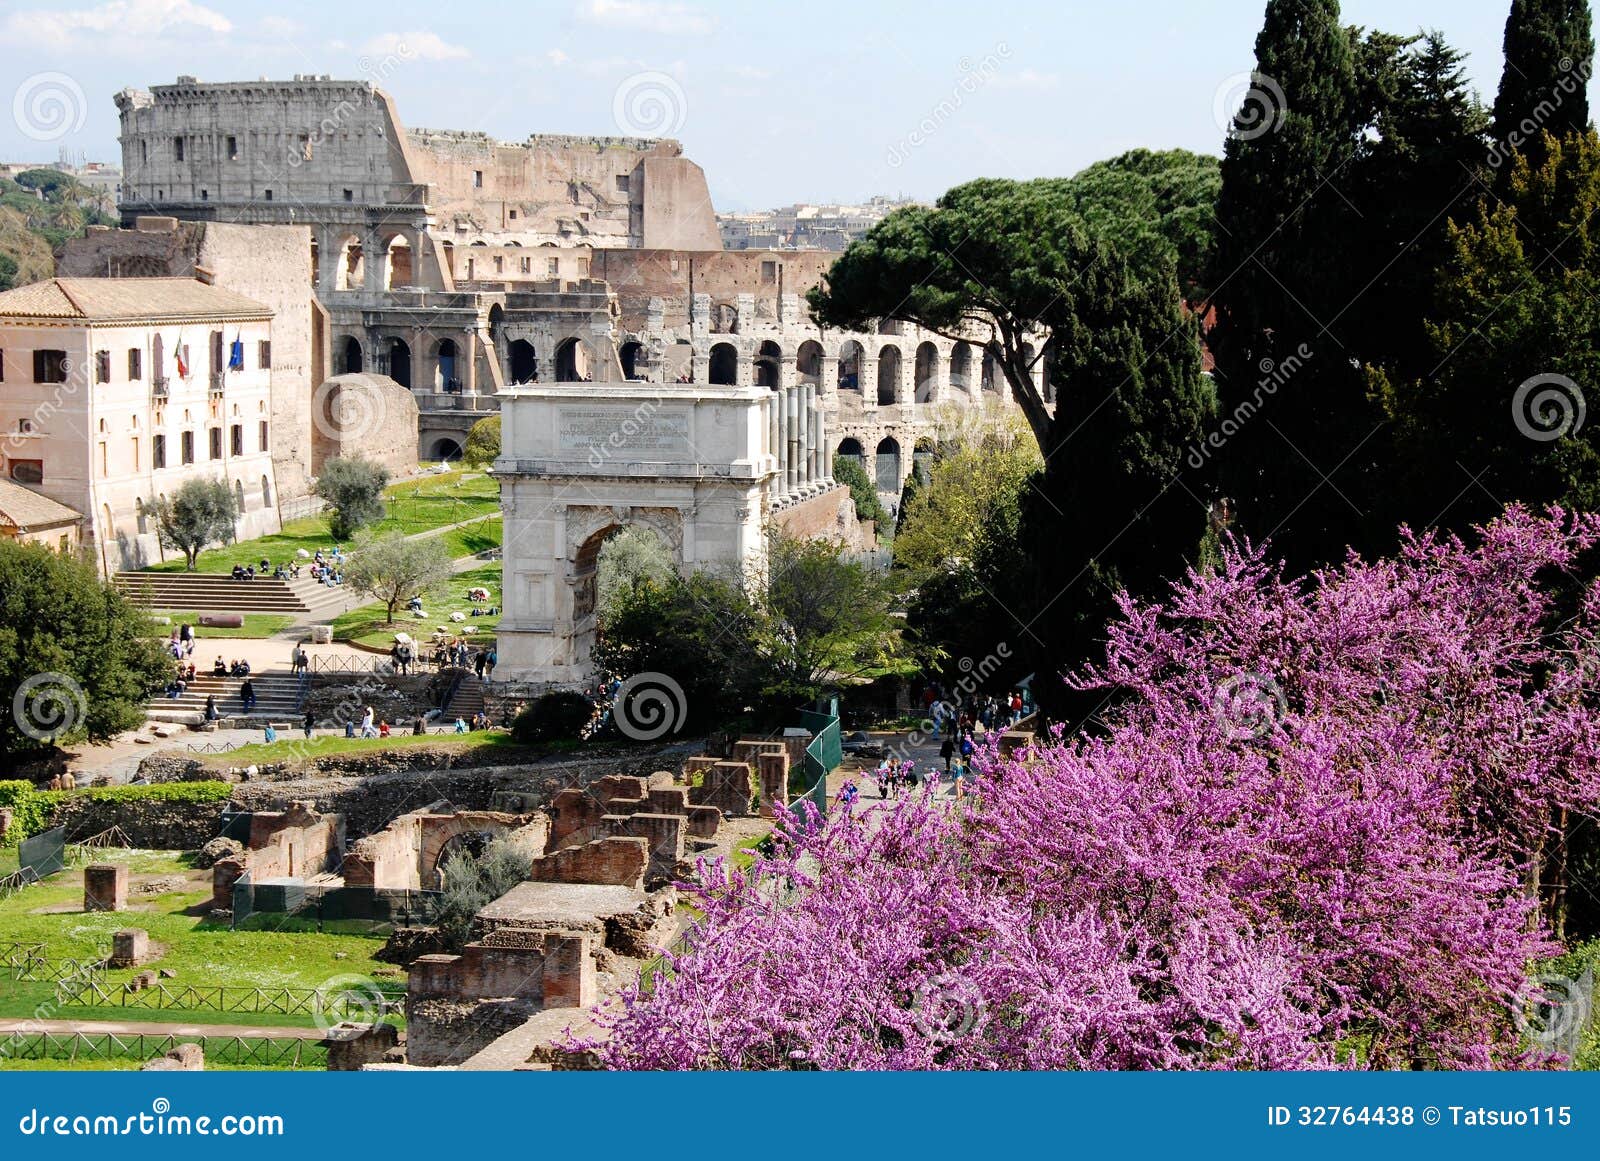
(277, 700)
(301, 598)
(321, 602)
(467, 698)
(210, 593)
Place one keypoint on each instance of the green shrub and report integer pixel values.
(33, 810)
(30, 809)
(853, 476)
(555, 717)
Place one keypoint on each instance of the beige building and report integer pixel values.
(114, 391)
(35, 519)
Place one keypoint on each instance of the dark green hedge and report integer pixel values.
(32, 809)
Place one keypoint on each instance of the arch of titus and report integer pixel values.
(703, 466)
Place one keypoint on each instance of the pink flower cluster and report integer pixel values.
(1310, 834)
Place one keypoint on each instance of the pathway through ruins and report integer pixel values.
(146, 1028)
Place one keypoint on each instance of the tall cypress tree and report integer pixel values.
(1284, 278)
(1549, 47)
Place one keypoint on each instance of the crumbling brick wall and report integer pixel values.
(619, 862)
(295, 843)
(551, 969)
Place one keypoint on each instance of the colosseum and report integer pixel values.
(458, 265)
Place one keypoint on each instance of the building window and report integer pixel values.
(24, 427)
(264, 354)
(2, 366)
(186, 447)
(205, 195)
(622, 183)
(135, 364)
(477, 179)
(233, 149)
(305, 147)
(349, 195)
(527, 266)
(136, 453)
(102, 366)
(27, 471)
(214, 439)
(769, 272)
(105, 458)
(553, 267)
(218, 359)
(49, 366)
(269, 195)
(499, 264)
(177, 148)
(158, 451)
(236, 439)
(513, 215)
(263, 435)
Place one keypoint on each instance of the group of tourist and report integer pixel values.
(264, 567)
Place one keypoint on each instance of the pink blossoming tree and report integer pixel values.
(1321, 827)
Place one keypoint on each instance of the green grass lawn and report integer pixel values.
(202, 953)
(414, 506)
(296, 747)
(474, 538)
(366, 626)
(256, 625)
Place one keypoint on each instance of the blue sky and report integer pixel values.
(827, 100)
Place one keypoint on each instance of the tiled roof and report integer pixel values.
(25, 510)
(127, 299)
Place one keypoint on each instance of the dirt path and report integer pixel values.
(143, 1028)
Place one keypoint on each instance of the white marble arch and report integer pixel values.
(690, 461)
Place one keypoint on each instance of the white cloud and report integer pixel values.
(556, 57)
(1026, 79)
(669, 16)
(414, 46)
(751, 73)
(279, 27)
(126, 21)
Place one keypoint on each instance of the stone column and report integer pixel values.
(373, 261)
(421, 364)
(830, 376)
(803, 394)
(774, 438)
(791, 407)
(786, 371)
(812, 414)
(869, 382)
(824, 450)
(469, 381)
(785, 419)
(941, 373)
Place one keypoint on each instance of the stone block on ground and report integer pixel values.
(105, 887)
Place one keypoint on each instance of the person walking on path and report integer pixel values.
(309, 721)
